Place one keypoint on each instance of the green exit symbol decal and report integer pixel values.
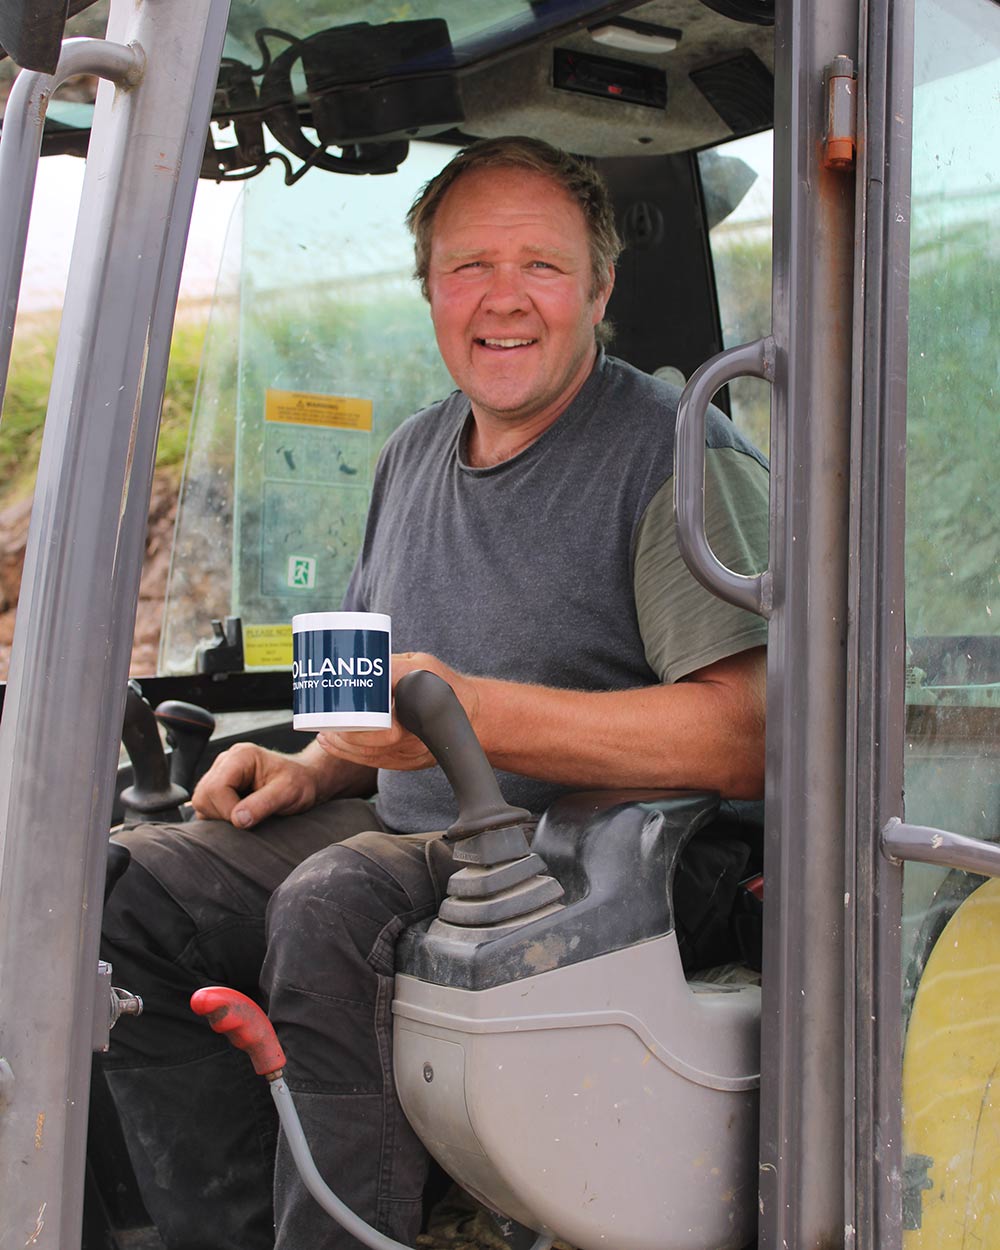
(301, 572)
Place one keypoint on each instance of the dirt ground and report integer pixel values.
(14, 521)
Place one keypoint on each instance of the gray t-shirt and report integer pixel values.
(557, 567)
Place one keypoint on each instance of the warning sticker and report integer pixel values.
(307, 408)
(267, 646)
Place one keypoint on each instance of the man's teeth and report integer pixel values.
(507, 342)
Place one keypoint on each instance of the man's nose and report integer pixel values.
(506, 291)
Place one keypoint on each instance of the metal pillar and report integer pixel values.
(63, 710)
(803, 1044)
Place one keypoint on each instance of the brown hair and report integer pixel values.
(583, 183)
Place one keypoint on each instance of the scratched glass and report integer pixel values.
(319, 345)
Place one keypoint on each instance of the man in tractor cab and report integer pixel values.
(521, 537)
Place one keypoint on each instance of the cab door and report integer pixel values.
(882, 658)
(921, 908)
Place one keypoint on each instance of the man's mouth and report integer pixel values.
(502, 345)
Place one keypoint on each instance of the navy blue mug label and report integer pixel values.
(340, 676)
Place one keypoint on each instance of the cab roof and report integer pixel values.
(342, 84)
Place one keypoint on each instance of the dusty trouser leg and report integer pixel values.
(199, 1125)
(328, 977)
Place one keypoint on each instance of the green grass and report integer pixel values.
(178, 398)
(23, 417)
(24, 406)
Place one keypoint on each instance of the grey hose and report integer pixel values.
(323, 1194)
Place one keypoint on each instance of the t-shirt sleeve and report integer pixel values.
(683, 625)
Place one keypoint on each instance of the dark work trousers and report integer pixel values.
(301, 914)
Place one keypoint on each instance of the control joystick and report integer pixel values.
(503, 883)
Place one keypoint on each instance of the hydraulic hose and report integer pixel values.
(246, 1026)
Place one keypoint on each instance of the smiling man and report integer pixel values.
(521, 537)
(515, 300)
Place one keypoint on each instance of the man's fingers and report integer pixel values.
(369, 742)
(230, 776)
(213, 802)
(270, 798)
(385, 748)
(404, 662)
(372, 739)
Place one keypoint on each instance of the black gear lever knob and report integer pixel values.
(188, 728)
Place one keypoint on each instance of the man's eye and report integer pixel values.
(541, 264)
(470, 264)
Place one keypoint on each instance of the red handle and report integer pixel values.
(243, 1022)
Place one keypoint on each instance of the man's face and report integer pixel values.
(511, 293)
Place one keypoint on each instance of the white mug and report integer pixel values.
(340, 670)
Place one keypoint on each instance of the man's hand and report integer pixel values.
(248, 783)
(396, 747)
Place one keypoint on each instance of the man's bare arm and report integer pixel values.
(705, 732)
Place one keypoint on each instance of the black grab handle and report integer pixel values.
(428, 707)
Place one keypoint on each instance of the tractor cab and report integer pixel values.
(589, 1044)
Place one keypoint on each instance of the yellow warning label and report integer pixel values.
(267, 646)
(338, 412)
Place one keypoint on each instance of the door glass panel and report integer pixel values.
(319, 344)
(951, 922)
(736, 181)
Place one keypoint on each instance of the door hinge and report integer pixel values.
(840, 140)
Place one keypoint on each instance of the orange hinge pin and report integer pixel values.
(840, 141)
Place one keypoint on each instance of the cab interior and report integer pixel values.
(334, 115)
